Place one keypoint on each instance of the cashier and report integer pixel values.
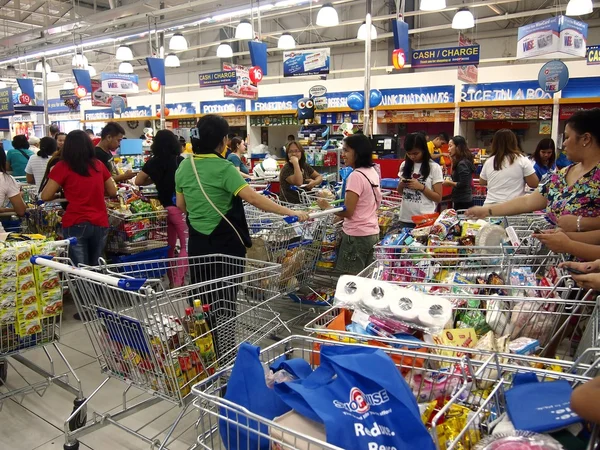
(435, 147)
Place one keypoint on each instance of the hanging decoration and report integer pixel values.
(80, 91)
(398, 59)
(72, 103)
(256, 74)
(24, 99)
(306, 108)
(154, 84)
(167, 112)
(375, 98)
(356, 101)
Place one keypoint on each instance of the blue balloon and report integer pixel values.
(375, 98)
(356, 101)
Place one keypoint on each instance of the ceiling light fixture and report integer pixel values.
(38, 88)
(432, 5)
(327, 16)
(124, 53)
(463, 19)
(579, 7)
(244, 30)
(40, 68)
(52, 77)
(125, 67)
(362, 32)
(286, 42)
(91, 70)
(79, 61)
(178, 42)
(68, 85)
(172, 60)
(224, 51)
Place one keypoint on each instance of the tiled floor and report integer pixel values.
(36, 422)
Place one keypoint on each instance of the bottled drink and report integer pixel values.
(204, 339)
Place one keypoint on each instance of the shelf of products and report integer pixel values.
(273, 120)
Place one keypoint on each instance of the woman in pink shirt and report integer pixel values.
(360, 230)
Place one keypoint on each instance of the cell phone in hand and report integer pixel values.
(574, 271)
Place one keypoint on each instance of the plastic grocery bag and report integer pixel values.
(361, 398)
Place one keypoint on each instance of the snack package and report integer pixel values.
(430, 386)
(473, 317)
(523, 346)
(461, 337)
(444, 224)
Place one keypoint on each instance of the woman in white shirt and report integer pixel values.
(507, 171)
(420, 181)
(36, 166)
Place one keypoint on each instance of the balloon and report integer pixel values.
(375, 98)
(356, 101)
(256, 74)
(154, 84)
(80, 91)
(398, 58)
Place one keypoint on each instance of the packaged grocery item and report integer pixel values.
(432, 385)
(523, 346)
(461, 337)
(474, 317)
(51, 302)
(298, 424)
(533, 319)
(519, 440)
(444, 224)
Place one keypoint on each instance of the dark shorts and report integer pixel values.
(355, 253)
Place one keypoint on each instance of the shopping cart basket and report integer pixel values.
(142, 333)
(133, 233)
(461, 380)
(44, 218)
(18, 334)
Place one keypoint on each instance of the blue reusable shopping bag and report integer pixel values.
(539, 407)
(361, 398)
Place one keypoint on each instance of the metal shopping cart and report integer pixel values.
(460, 379)
(31, 319)
(45, 218)
(138, 232)
(143, 334)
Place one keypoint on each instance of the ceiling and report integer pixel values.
(59, 28)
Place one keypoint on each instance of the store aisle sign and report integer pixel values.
(417, 95)
(516, 90)
(552, 38)
(299, 63)
(593, 55)
(446, 56)
(582, 88)
(120, 83)
(223, 106)
(57, 106)
(66, 94)
(180, 109)
(283, 103)
(553, 76)
(7, 107)
(98, 114)
(216, 79)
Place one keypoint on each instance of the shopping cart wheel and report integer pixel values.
(80, 419)
(3, 371)
(73, 446)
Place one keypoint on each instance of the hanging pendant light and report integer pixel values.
(172, 60)
(224, 50)
(79, 60)
(327, 16)
(38, 89)
(52, 77)
(362, 32)
(91, 70)
(286, 42)
(178, 42)
(68, 85)
(432, 5)
(463, 19)
(40, 68)
(579, 7)
(125, 67)
(124, 53)
(244, 30)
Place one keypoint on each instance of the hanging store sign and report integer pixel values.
(283, 103)
(467, 72)
(57, 106)
(98, 114)
(180, 109)
(582, 88)
(101, 98)
(216, 79)
(120, 83)
(447, 56)
(66, 94)
(243, 86)
(7, 107)
(417, 96)
(553, 76)
(557, 37)
(223, 106)
(592, 55)
(515, 90)
(300, 63)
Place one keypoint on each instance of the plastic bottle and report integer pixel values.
(204, 339)
(189, 322)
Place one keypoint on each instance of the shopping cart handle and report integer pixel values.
(326, 212)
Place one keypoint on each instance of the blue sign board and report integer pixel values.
(179, 109)
(57, 105)
(553, 76)
(215, 79)
(593, 54)
(298, 63)
(512, 90)
(446, 56)
(4, 125)
(120, 83)
(7, 107)
(67, 93)
(98, 114)
(337, 99)
(222, 106)
(417, 95)
(285, 102)
(137, 111)
(582, 88)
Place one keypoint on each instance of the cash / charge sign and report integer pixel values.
(6, 102)
(214, 79)
(447, 56)
(593, 54)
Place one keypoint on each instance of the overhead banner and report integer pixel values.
(592, 55)
(283, 103)
(98, 114)
(447, 56)
(300, 63)
(57, 106)
(582, 88)
(417, 95)
(512, 90)
(101, 98)
(222, 106)
(120, 83)
(7, 107)
(258, 55)
(66, 94)
(552, 38)
(156, 67)
(26, 86)
(82, 77)
(180, 109)
(467, 72)
(216, 79)
(243, 87)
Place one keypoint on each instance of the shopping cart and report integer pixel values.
(479, 193)
(388, 214)
(45, 218)
(138, 232)
(18, 336)
(146, 336)
(498, 293)
(460, 379)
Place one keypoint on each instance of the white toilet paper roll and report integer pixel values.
(404, 304)
(435, 311)
(377, 296)
(349, 290)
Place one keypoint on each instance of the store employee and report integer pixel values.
(110, 139)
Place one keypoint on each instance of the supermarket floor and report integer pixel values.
(35, 422)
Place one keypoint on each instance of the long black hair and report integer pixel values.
(411, 142)
(545, 144)
(78, 152)
(462, 150)
(165, 145)
(47, 147)
(211, 130)
(585, 121)
(2, 159)
(362, 149)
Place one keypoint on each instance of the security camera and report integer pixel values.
(389, 69)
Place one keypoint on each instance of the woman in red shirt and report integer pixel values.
(85, 181)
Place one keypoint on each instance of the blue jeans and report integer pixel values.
(90, 243)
